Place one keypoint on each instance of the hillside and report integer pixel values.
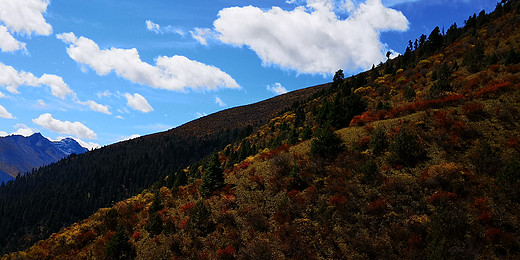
(101, 177)
(19, 154)
(428, 168)
(414, 159)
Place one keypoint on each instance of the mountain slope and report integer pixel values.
(19, 154)
(429, 171)
(103, 176)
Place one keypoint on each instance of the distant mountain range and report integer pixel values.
(19, 154)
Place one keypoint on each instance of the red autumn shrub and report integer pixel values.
(226, 252)
(378, 206)
(187, 206)
(442, 196)
(492, 88)
(336, 200)
(136, 236)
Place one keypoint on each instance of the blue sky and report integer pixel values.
(104, 71)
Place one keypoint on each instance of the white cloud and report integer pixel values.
(311, 38)
(40, 104)
(172, 73)
(3, 134)
(76, 129)
(4, 113)
(12, 79)
(397, 2)
(24, 17)
(202, 34)
(23, 130)
(220, 102)
(95, 106)
(138, 102)
(151, 26)
(89, 145)
(125, 138)
(2, 95)
(199, 114)
(120, 117)
(105, 93)
(277, 88)
(8, 43)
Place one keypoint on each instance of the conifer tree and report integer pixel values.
(213, 177)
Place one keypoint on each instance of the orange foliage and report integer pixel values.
(419, 105)
(187, 206)
(492, 88)
(363, 142)
(336, 200)
(378, 206)
(440, 196)
(183, 222)
(136, 236)
(513, 142)
(228, 251)
(244, 165)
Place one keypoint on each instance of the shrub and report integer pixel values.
(154, 225)
(511, 172)
(370, 172)
(378, 140)
(327, 143)
(487, 161)
(405, 149)
(409, 93)
(199, 220)
(118, 246)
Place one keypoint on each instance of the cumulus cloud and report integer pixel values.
(89, 145)
(23, 130)
(95, 106)
(4, 113)
(156, 28)
(138, 102)
(12, 79)
(311, 38)
(8, 43)
(76, 129)
(172, 73)
(23, 17)
(277, 88)
(220, 102)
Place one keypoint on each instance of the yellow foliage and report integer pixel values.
(364, 90)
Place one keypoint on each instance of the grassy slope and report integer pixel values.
(457, 198)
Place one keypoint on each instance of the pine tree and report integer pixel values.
(213, 177)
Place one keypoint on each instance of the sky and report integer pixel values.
(105, 71)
